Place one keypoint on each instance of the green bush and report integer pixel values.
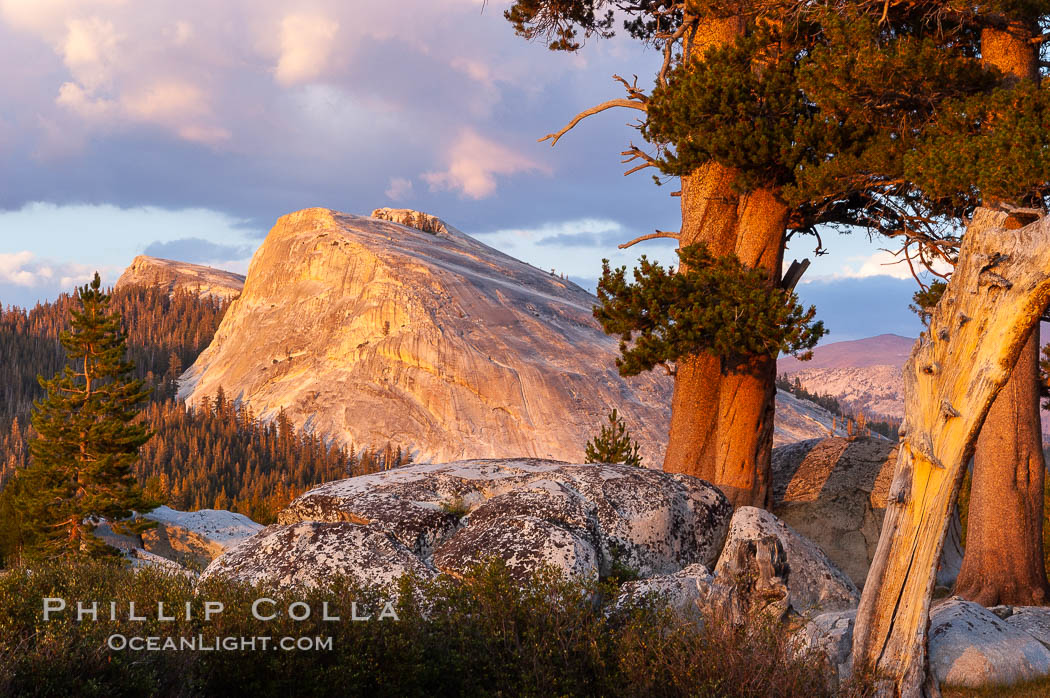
(487, 635)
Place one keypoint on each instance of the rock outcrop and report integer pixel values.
(171, 276)
(773, 555)
(586, 520)
(401, 329)
(181, 540)
(971, 646)
(372, 332)
(195, 538)
(833, 491)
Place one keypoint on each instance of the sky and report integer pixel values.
(185, 129)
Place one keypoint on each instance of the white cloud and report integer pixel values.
(75, 98)
(474, 162)
(27, 270)
(399, 189)
(306, 43)
(881, 263)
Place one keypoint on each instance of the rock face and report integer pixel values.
(172, 276)
(971, 646)
(586, 520)
(195, 538)
(370, 331)
(813, 583)
(401, 329)
(833, 491)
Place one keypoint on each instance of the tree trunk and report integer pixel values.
(1003, 562)
(994, 299)
(722, 411)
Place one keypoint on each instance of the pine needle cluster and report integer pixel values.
(711, 304)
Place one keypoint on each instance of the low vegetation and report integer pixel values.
(487, 635)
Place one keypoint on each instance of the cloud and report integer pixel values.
(179, 106)
(399, 189)
(26, 279)
(13, 268)
(883, 263)
(90, 50)
(306, 43)
(256, 109)
(474, 162)
(197, 251)
(26, 270)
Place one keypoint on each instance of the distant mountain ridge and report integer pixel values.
(880, 350)
(862, 374)
(172, 275)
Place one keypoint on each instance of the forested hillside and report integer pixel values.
(221, 457)
(218, 456)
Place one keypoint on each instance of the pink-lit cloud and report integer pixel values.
(474, 162)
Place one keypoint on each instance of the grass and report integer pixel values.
(1033, 689)
(486, 635)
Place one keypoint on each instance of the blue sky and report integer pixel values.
(184, 129)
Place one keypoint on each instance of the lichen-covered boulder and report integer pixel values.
(691, 591)
(584, 519)
(650, 521)
(310, 553)
(830, 634)
(524, 543)
(971, 646)
(814, 583)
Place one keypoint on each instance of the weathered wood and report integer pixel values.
(1001, 285)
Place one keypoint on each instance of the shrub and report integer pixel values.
(488, 634)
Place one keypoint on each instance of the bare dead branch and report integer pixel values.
(650, 236)
(794, 274)
(635, 153)
(630, 104)
(669, 42)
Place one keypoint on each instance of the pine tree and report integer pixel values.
(613, 444)
(88, 440)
